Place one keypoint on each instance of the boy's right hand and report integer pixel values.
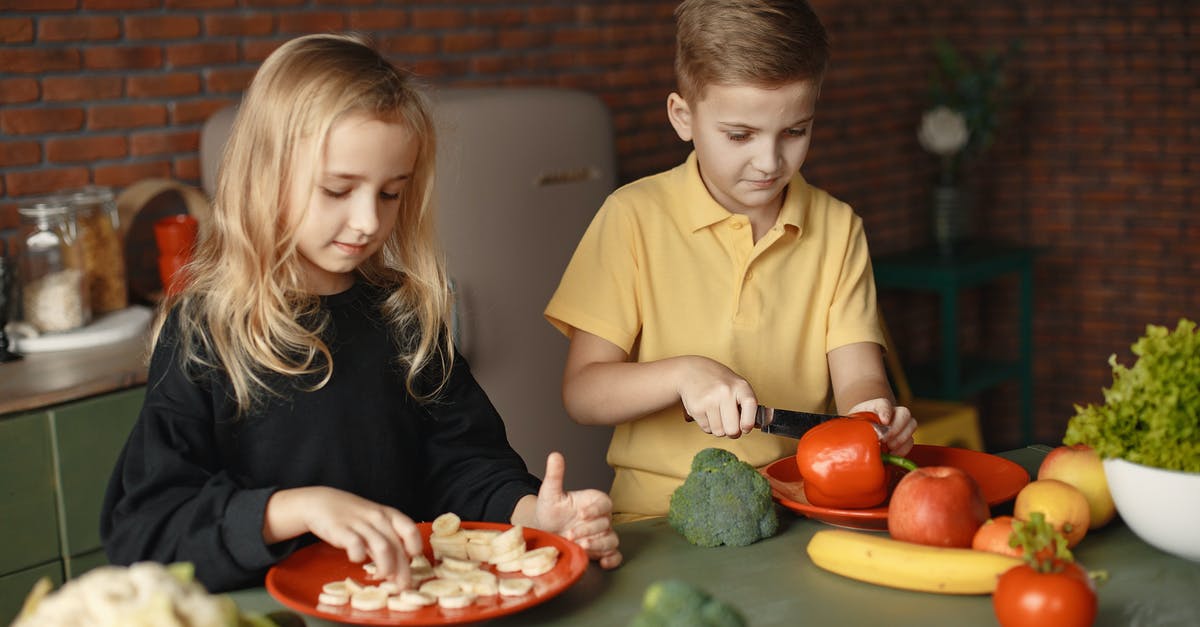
(718, 399)
(364, 529)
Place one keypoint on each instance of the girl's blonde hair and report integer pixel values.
(245, 310)
(764, 43)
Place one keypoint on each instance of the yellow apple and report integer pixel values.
(1063, 505)
(1080, 466)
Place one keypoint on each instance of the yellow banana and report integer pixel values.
(881, 560)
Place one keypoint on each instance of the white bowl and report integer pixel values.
(1161, 506)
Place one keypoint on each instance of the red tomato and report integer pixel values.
(1027, 598)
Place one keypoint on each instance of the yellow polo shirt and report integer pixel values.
(664, 270)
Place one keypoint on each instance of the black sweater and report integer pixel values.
(192, 482)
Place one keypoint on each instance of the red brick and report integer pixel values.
(186, 169)
(120, 5)
(125, 174)
(159, 85)
(468, 42)
(122, 57)
(501, 16)
(225, 81)
(239, 24)
(377, 19)
(339, 3)
(201, 4)
(312, 22)
(40, 120)
(20, 153)
(158, 142)
(144, 27)
(44, 180)
(102, 117)
(256, 50)
(439, 18)
(75, 88)
(84, 149)
(209, 53)
(39, 5)
(78, 28)
(16, 30)
(521, 39)
(195, 111)
(37, 61)
(409, 44)
(17, 90)
(551, 15)
(274, 3)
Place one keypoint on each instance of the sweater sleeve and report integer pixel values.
(170, 500)
(472, 469)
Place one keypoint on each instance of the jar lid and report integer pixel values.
(89, 194)
(45, 207)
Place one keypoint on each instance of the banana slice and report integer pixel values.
(456, 601)
(481, 583)
(369, 599)
(479, 550)
(390, 587)
(511, 566)
(441, 587)
(460, 565)
(423, 573)
(515, 586)
(452, 546)
(396, 605)
(484, 536)
(414, 597)
(352, 586)
(548, 550)
(507, 556)
(335, 587)
(509, 539)
(419, 561)
(333, 598)
(446, 525)
(536, 567)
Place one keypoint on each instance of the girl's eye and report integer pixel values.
(389, 196)
(335, 193)
(796, 132)
(738, 137)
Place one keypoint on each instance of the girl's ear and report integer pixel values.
(680, 115)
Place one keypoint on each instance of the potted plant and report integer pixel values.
(1148, 433)
(967, 96)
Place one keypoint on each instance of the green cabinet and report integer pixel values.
(54, 468)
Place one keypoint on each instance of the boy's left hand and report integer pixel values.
(582, 516)
(899, 439)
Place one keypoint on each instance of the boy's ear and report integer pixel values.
(680, 115)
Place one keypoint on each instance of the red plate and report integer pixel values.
(999, 479)
(296, 582)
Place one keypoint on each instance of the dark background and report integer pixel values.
(1097, 162)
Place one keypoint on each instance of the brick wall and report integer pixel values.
(1097, 163)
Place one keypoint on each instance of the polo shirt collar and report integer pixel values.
(704, 211)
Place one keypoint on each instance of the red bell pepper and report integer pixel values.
(842, 463)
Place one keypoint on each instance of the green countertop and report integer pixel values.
(774, 583)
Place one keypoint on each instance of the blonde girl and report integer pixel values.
(304, 385)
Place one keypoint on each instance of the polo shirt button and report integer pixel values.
(749, 275)
(736, 225)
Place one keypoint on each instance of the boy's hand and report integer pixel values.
(899, 439)
(582, 516)
(721, 402)
(364, 529)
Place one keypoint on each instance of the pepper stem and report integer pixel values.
(896, 460)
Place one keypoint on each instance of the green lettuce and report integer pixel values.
(1151, 414)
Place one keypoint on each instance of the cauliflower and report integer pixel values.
(145, 594)
(723, 501)
(676, 603)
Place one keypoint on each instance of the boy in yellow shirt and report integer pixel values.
(728, 281)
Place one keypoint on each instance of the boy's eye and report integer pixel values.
(335, 193)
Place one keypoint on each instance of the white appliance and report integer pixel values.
(521, 172)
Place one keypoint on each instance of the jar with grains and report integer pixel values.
(100, 247)
(51, 273)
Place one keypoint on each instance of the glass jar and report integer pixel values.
(53, 296)
(100, 246)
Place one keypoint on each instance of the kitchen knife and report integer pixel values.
(794, 424)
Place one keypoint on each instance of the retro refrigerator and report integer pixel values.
(521, 172)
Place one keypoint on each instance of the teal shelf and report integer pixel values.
(977, 376)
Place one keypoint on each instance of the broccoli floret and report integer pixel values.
(676, 603)
(724, 500)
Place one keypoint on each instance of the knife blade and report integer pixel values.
(794, 424)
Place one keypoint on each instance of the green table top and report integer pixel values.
(774, 583)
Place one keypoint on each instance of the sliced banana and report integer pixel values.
(441, 587)
(419, 561)
(369, 599)
(536, 568)
(417, 598)
(456, 601)
(515, 586)
(396, 605)
(335, 587)
(449, 546)
(446, 525)
(460, 565)
(507, 556)
(390, 587)
(479, 551)
(509, 539)
(352, 586)
(484, 536)
(422, 574)
(548, 550)
(511, 566)
(333, 598)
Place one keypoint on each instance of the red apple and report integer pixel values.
(938, 506)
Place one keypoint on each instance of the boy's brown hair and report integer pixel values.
(748, 42)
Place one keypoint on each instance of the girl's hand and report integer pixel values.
(364, 529)
(721, 402)
(899, 439)
(582, 516)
